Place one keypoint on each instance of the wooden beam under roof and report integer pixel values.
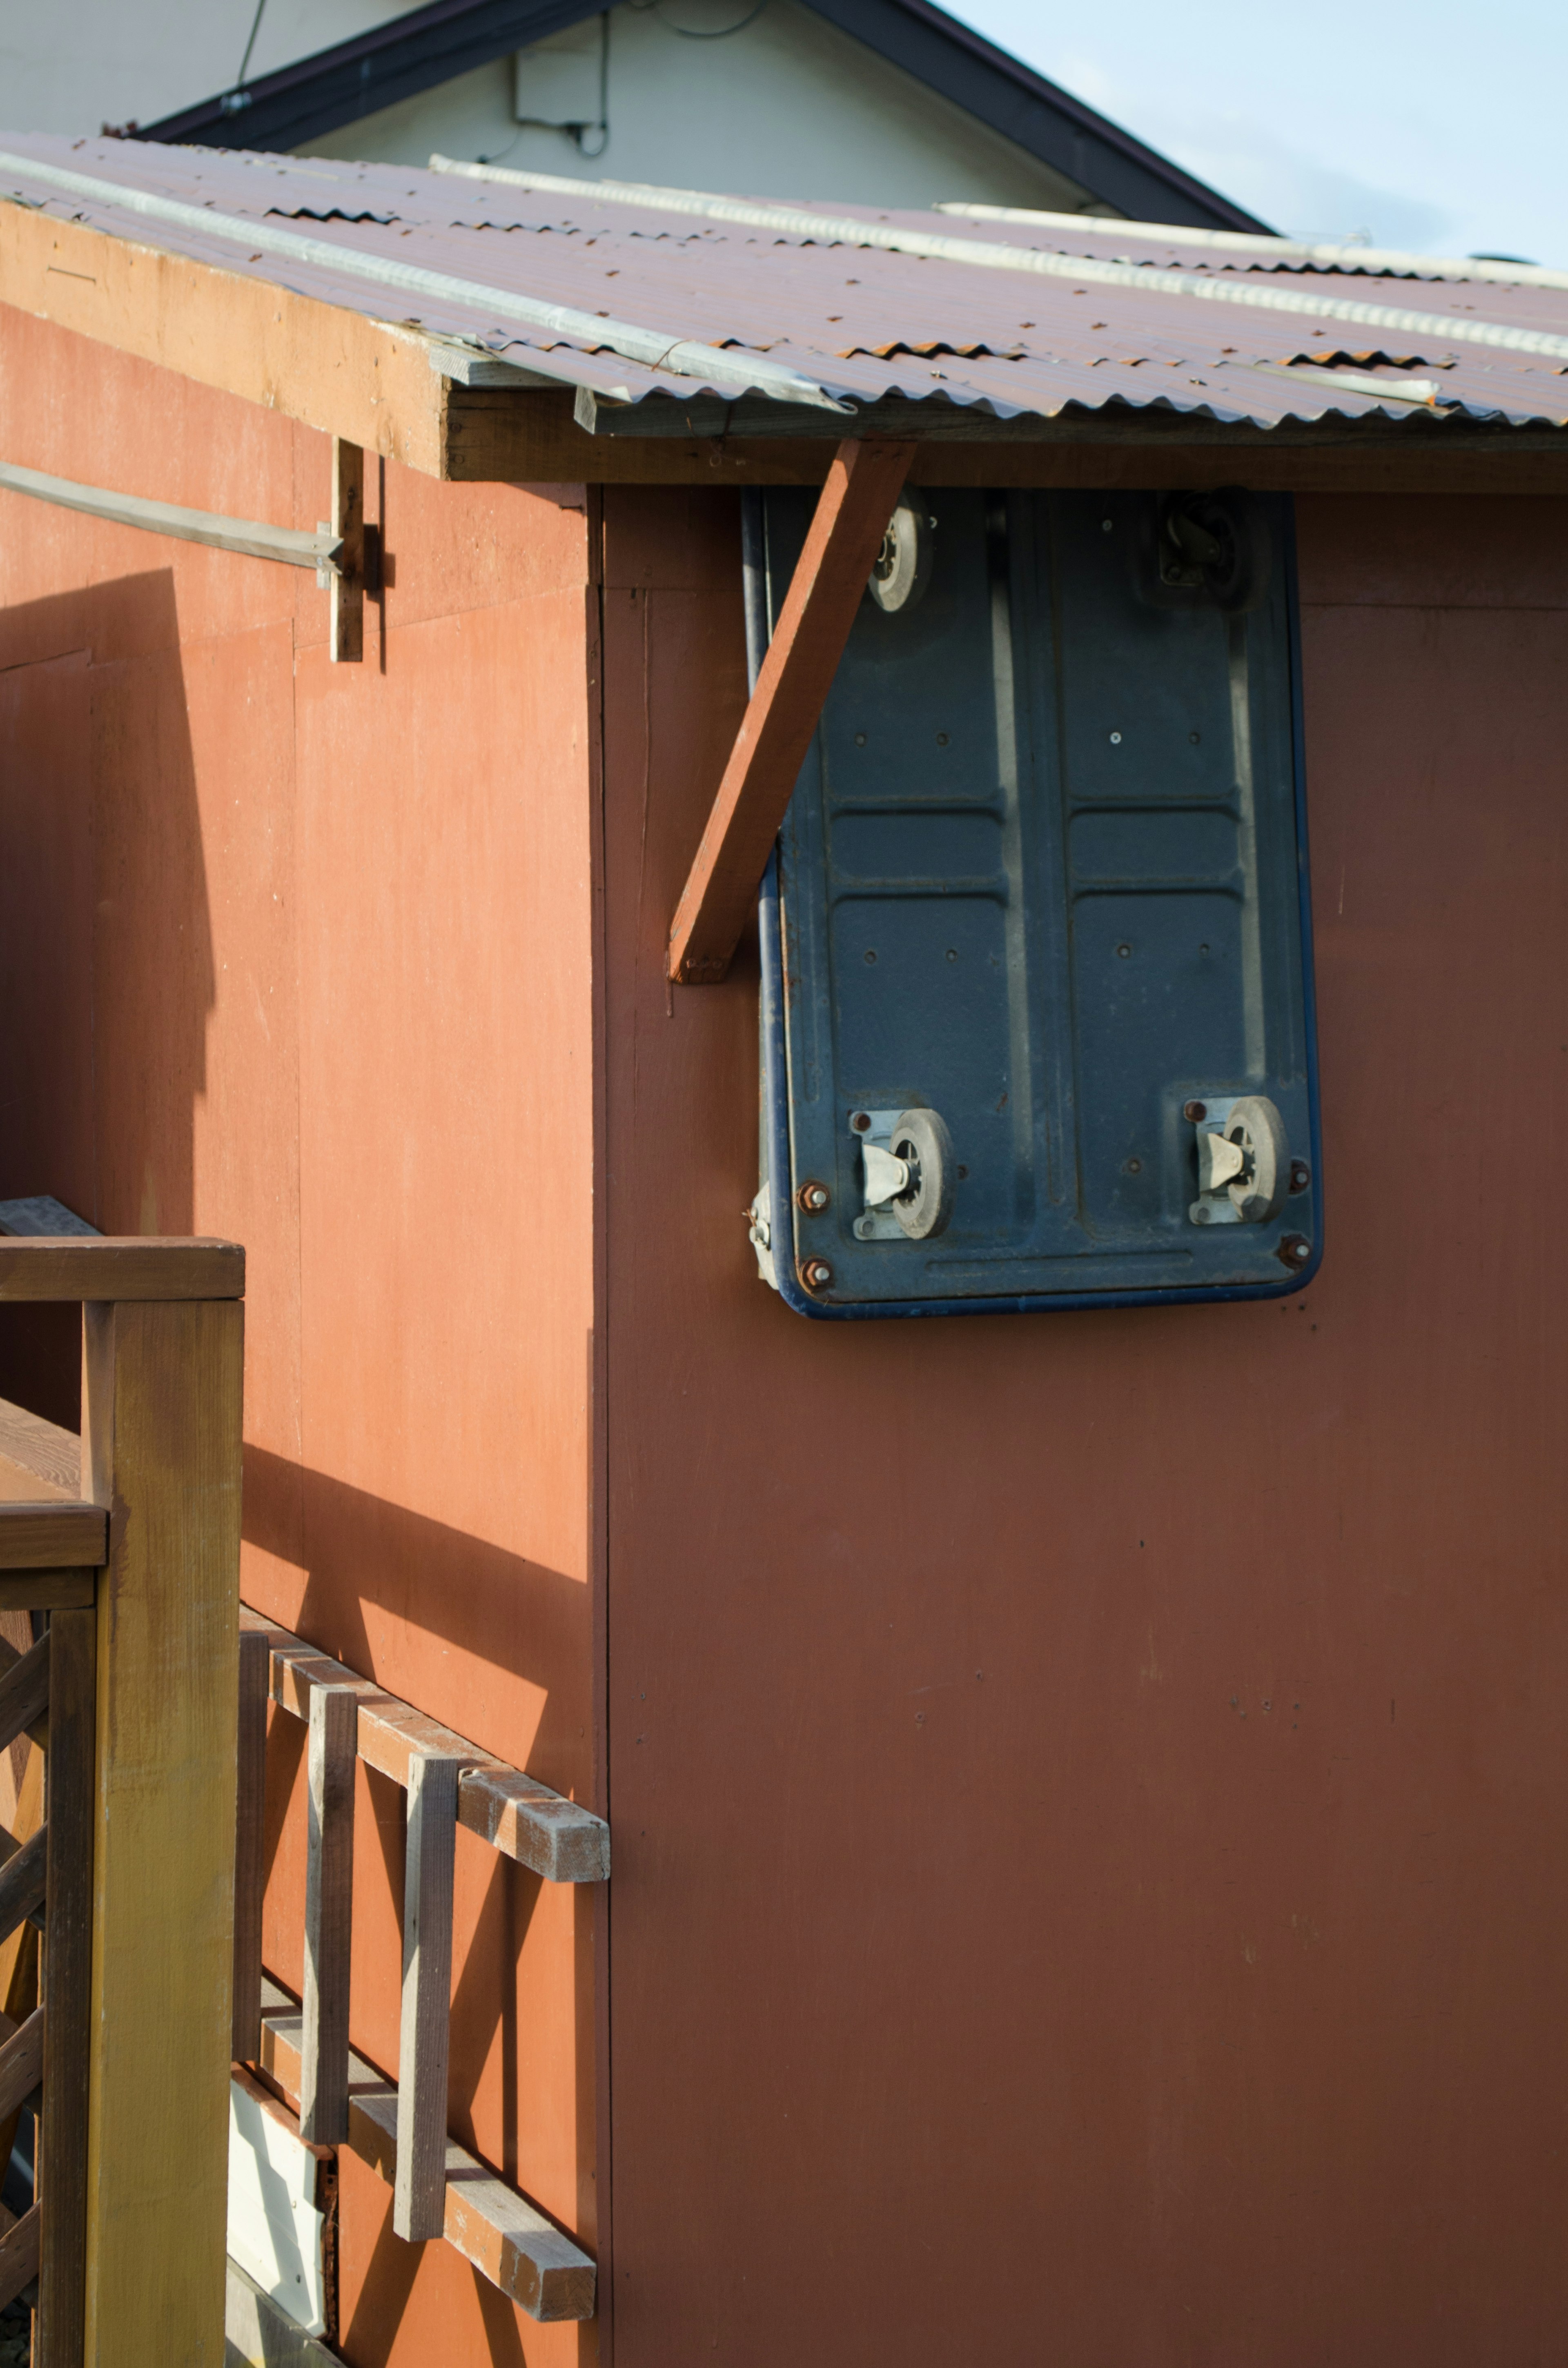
(371, 382)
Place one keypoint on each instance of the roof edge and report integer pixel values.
(428, 46)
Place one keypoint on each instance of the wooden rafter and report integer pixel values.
(860, 497)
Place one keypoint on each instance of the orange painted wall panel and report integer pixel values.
(1087, 1790)
(303, 954)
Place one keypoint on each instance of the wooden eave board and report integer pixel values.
(371, 382)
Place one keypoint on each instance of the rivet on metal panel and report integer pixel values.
(1193, 1111)
(1301, 1175)
(1295, 1249)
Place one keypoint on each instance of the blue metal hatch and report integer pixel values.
(1039, 917)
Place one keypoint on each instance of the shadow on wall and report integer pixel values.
(106, 955)
(501, 1620)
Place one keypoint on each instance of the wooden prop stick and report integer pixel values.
(329, 1914)
(346, 639)
(860, 497)
(420, 2197)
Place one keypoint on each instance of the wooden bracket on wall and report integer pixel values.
(860, 497)
(346, 638)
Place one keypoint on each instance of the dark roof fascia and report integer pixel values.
(1035, 114)
(431, 45)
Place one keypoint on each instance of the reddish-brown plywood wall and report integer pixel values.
(303, 954)
(1089, 1791)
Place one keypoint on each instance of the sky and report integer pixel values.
(1435, 126)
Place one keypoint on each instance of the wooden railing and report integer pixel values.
(124, 1548)
(399, 2129)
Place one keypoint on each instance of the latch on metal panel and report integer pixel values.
(1243, 1160)
(908, 1175)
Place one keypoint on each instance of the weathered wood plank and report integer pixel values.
(507, 2238)
(131, 1267)
(162, 1430)
(21, 2062)
(52, 1534)
(829, 583)
(514, 1813)
(61, 2186)
(250, 1844)
(46, 1590)
(20, 1954)
(22, 1880)
(41, 1447)
(24, 1691)
(346, 635)
(329, 1913)
(424, 2035)
(19, 2255)
(524, 1820)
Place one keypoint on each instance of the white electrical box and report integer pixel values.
(558, 81)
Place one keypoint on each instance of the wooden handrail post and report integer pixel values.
(161, 1449)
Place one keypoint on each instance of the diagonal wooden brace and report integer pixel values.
(860, 497)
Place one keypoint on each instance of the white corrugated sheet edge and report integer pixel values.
(275, 2230)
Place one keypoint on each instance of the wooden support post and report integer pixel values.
(161, 1447)
(859, 499)
(329, 1913)
(61, 2184)
(250, 1844)
(346, 638)
(419, 2201)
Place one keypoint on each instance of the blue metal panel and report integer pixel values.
(1043, 874)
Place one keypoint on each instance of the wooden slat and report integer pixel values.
(346, 638)
(163, 1429)
(250, 1844)
(19, 2255)
(507, 2238)
(68, 1989)
(22, 1880)
(20, 1954)
(24, 1692)
(425, 2035)
(129, 1267)
(46, 1590)
(329, 1914)
(829, 583)
(41, 1447)
(52, 1535)
(514, 1813)
(21, 2063)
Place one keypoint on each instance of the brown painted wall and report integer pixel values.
(303, 954)
(1089, 1791)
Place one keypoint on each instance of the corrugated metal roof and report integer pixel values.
(632, 292)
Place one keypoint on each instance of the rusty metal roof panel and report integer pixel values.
(632, 292)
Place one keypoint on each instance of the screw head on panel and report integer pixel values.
(1301, 1175)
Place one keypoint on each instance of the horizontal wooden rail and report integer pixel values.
(53, 1535)
(128, 1267)
(507, 2239)
(515, 1813)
